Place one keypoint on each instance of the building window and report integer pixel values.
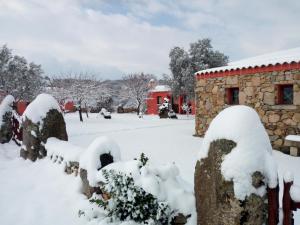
(159, 100)
(232, 96)
(285, 94)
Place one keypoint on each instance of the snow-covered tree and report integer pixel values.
(184, 65)
(17, 77)
(83, 89)
(138, 86)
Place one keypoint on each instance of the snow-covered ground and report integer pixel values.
(40, 193)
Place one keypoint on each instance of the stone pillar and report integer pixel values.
(215, 199)
(35, 135)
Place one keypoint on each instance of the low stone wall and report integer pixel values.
(260, 91)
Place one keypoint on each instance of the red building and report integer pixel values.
(156, 97)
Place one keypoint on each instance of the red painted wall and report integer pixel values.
(152, 106)
(21, 106)
(69, 106)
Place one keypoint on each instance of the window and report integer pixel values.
(285, 94)
(159, 100)
(232, 96)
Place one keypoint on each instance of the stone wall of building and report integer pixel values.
(260, 91)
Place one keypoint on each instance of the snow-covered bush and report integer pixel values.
(6, 113)
(141, 192)
(163, 109)
(130, 202)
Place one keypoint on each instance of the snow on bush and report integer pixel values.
(6, 106)
(90, 159)
(165, 193)
(58, 148)
(253, 151)
(164, 105)
(37, 110)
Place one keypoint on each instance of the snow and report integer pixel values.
(295, 193)
(288, 176)
(164, 182)
(253, 151)
(59, 148)
(286, 56)
(293, 138)
(6, 106)
(37, 110)
(161, 88)
(40, 193)
(90, 158)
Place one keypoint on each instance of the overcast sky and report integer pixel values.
(112, 38)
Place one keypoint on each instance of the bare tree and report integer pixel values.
(83, 89)
(138, 87)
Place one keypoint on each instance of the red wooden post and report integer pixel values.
(273, 205)
(287, 204)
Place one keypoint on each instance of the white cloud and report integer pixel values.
(64, 34)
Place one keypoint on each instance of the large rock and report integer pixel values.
(234, 169)
(6, 127)
(35, 136)
(215, 198)
(42, 120)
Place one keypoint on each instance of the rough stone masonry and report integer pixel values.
(259, 91)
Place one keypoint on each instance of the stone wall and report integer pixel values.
(260, 91)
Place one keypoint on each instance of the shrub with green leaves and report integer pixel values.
(130, 202)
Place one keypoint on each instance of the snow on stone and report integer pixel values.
(161, 88)
(293, 138)
(64, 149)
(288, 176)
(164, 182)
(286, 56)
(295, 193)
(37, 110)
(90, 159)
(6, 106)
(253, 152)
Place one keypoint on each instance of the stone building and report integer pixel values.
(269, 83)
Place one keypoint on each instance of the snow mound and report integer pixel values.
(90, 158)
(295, 193)
(37, 110)
(164, 182)
(253, 152)
(6, 106)
(66, 150)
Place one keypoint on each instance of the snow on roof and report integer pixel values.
(161, 88)
(253, 151)
(286, 56)
(37, 110)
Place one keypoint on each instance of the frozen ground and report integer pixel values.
(41, 194)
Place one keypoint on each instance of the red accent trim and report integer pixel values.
(249, 70)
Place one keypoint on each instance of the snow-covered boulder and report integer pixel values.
(6, 128)
(100, 153)
(42, 119)
(234, 169)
